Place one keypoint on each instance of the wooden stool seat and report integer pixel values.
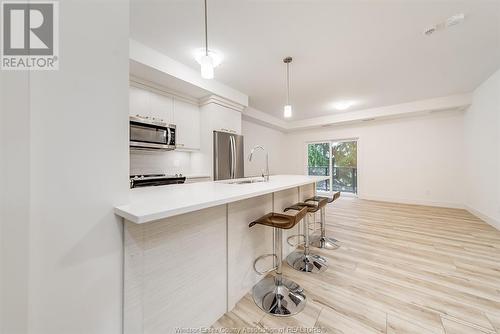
(318, 199)
(311, 208)
(280, 220)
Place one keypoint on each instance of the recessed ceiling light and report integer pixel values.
(217, 57)
(343, 105)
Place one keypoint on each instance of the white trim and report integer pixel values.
(452, 102)
(455, 103)
(264, 119)
(145, 55)
(333, 140)
(222, 102)
(482, 216)
(161, 90)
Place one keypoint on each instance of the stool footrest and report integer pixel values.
(261, 258)
(295, 236)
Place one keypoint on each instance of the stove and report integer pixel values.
(149, 180)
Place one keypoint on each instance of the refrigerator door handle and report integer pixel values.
(233, 158)
(216, 153)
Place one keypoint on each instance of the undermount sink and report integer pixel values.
(245, 181)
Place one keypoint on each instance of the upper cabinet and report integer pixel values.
(150, 104)
(139, 102)
(187, 120)
(184, 113)
(162, 107)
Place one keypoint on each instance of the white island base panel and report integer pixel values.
(186, 271)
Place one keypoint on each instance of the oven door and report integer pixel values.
(150, 136)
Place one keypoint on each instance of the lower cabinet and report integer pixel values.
(175, 272)
(188, 270)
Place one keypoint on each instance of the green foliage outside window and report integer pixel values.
(344, 161)
(345, 154)
(318, 154)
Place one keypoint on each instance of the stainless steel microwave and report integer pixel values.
(151, 134)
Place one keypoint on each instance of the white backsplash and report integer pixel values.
(160, 162)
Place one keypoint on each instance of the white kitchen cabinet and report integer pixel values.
(150, 104)
(139, 102)
(162, 107)
(187, 120)
(221, 118)
(227, 119)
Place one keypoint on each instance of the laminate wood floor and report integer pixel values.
(400, 269)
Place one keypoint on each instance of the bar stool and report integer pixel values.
(321, 240)
(304, 260)
(277, 295)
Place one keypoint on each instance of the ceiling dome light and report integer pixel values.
(216, 56)
(343, 105)
(206, 60)
(287, 110)
(207, 67)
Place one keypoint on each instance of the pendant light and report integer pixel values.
(206, 61)
(287, 110)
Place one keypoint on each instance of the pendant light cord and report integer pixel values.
(206, 30)
(287, 83)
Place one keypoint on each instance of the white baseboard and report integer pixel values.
(482, 216)
(412, 201)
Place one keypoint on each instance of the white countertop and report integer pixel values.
(153, 203)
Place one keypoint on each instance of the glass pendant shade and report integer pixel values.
(207, 67)
(287, 111)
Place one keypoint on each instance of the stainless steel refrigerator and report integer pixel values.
(228, 156)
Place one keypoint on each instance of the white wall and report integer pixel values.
(272, 140)
(62, 239)
(482, 151)
(14, 201)
(410, 160)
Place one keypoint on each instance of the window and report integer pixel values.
(338, 159)
(318, 163)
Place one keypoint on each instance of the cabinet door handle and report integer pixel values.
(169, 136)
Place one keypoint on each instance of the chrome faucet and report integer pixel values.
(266, 174)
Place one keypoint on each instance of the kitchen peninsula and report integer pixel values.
(188, 249)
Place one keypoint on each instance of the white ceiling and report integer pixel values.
(373, 52)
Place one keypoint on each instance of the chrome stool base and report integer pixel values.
(323, 242)
(307, 263)
(281, 299)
